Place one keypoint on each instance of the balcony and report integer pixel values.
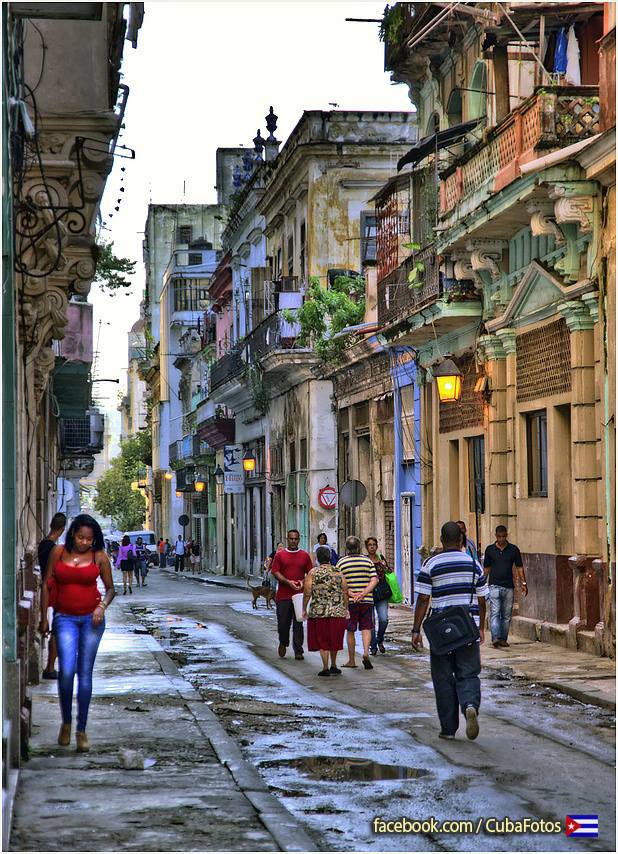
(79, 436)
(397, 298)
(173, 453)
(273, 344)
(551, 119)
(218, 429)
(227, 368)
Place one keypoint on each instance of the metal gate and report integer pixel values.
(389, 533)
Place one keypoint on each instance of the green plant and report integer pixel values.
(259, 390)
(415, 275)
(114, 496)
(391, 24)
(326, 312)
(111, 270)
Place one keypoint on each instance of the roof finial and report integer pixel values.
(271, 124)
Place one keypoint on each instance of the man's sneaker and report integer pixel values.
(504, 643)
(472, 723)
(446, 735)
(496, 644)
(281, 650)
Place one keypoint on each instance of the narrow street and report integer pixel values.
(338, 753)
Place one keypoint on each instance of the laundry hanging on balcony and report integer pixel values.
(426, 146)
(573, 72)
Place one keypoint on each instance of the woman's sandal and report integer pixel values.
(349, 665)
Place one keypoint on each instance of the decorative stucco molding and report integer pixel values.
(591, 300)
(486, 255)
(508, 339)
(543, 221)
(577, 316)
(574, 202)
(490, 348)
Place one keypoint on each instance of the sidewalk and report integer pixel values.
(587, 678)
(211, 578)
(200, 794)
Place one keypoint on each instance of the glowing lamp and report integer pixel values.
(199, 485)
(248, 461)
(178, 493)
(168, 475)
(448, 377)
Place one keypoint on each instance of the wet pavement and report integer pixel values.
(338, 752)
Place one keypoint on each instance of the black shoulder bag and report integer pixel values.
(452, 627)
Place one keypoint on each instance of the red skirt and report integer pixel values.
(326, 633)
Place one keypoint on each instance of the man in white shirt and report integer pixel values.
(179, 562)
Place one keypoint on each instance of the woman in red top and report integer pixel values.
(79, 617)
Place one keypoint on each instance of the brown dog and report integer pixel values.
(263, 590)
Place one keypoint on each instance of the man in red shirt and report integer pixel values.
(290, 566)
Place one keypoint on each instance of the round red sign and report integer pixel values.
(327, 497)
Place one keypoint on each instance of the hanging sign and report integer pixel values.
(234, 475)
(327, 497)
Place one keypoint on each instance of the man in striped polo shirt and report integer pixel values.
(453, 577)
(361, 577)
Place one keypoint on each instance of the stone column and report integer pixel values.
(497, 440)
(508, 338)
(585, 468)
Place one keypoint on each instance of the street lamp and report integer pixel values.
(168, 475)
(219, 475)
(248, 461)
(178, 494)
(199, 485)
(448, 377)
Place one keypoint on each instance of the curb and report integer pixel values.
(569, 689)
(287, 832)
(204, 580)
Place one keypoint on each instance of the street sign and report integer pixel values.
(353, 493)
(183, 520)
(234, 475)
(327, 497)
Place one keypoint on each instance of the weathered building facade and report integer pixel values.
(505, 277)
(59, 140)
(304, 224)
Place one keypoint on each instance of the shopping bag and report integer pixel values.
(391, 579)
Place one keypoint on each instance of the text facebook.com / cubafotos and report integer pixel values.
(486, 825)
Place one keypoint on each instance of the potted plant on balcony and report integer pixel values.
(415, 276)
(459, 290)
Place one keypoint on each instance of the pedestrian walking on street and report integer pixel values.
(382, 594)
(501, 558)
(79, 618)
(467, 545)
(453, 578)
(126, 562)
(179, 551)
(194, 557)
(161, 550)
(56, 529)
(327, 616)
(141, 562)
(323, 541)
(361, 578)
(290, 566)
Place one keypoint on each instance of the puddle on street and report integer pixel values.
(344, 769)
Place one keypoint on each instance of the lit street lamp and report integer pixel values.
(248, 461)
(448, 377)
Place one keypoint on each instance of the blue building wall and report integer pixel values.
(407, 486)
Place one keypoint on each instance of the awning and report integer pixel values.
(436, 141)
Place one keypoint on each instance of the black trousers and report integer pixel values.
(179, 562)
(456, 684)
(285, 619)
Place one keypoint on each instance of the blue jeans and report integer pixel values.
(382, 615)
(456, 684)
(78, 641)
(500, 611)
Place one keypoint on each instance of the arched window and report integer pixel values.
(477, 99)
(454, 108)
(433, 125)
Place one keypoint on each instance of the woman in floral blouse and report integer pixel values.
(327, 617)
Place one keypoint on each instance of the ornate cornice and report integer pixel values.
(543, 221)
(486, 255)
(490, 348)
(591, 300)
(577, 316)
(508, 338)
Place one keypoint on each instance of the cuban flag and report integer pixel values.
(582, 825)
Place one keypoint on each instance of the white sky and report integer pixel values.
(203, 76)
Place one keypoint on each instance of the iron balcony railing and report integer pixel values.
(553, 118)
(77, 436)
(273, 333)
(399, 298)
(173, 452)
(226, 368)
